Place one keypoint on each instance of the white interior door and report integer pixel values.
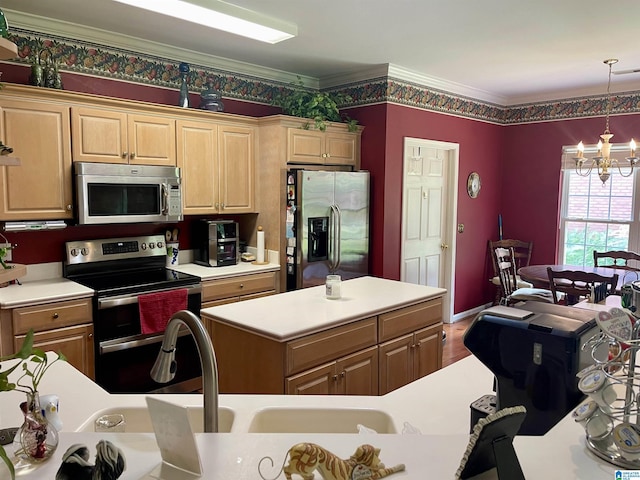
(428, 212)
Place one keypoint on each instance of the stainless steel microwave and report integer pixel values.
(114, 193)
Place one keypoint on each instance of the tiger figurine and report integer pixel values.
(304, 458)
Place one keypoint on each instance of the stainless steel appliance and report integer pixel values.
(327, 226)
(216, 242)
(119, 270)
(114, 193)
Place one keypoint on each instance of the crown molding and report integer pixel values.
(64, 29)
(406, 75)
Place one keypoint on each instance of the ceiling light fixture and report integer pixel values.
(222, 16)
(603, 161)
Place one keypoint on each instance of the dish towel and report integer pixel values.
(156, 309)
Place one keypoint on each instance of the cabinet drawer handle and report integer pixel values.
(343, 374)
(335, 378)
(242, 285)
(133, 155)
(55, 315)
(125, 154)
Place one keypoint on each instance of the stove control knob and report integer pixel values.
(152, 245)
(84, 251)
(74, 252)
(143, 246)
(160, 244)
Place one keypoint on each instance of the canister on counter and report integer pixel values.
(333, 284)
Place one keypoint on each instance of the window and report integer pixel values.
(594, 216)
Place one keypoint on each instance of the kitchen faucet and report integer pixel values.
(165, 367)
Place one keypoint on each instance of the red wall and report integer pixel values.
(480, 150)
(531, 175)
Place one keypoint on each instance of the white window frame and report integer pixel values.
(618, 151)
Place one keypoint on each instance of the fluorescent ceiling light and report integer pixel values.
(222, 16)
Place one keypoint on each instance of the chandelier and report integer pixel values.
(603, 161)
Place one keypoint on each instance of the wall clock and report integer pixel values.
(473, 184)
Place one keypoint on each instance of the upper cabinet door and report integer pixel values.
(99, 135)
(40, 188)
(152, 140)
(305, 146)
(341, 149)
(197, 144)
(237, 168)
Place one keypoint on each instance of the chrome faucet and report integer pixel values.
(165, 367)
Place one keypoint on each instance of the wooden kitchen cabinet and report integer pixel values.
(410, 357)
(237, 169)
(64, 326)
(322, 148)
(217, 165)
(120, 136)
(41, 187)
(369, 356)
(235, 289)
(355, 374)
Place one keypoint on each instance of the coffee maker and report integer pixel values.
(534, 351)
(216, 242)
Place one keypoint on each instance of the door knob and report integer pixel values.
(444, 246)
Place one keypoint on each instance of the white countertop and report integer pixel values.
(300, 312)
(211, 273)
(42, 291)
(57, 289)
(438, 405)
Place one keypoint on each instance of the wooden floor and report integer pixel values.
(453, 348)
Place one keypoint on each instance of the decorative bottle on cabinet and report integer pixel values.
(184, 90)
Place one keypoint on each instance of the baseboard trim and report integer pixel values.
(474, 311)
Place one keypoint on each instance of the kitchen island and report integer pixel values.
(379, 335)
(436, 405)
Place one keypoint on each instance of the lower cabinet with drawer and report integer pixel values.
(235, 289)
(64, 326)
(370, 356)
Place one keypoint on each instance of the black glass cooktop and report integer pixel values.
(135, 281)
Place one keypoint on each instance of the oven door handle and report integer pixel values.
(117, 301)
(111, 346)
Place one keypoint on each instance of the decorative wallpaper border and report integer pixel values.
(78, 56)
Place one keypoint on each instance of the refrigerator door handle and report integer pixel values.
(334, 228)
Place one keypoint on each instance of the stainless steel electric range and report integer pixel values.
(120, 270)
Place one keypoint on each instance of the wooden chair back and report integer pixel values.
(619, 259)
(577, 284)
(504, 259)
(521, 252)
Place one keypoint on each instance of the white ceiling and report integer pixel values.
(506, 51)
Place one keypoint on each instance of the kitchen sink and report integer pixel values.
(320, 420)
(138, 420)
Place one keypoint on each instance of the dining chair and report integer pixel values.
(511, 293)
(522, 257)
(576, 284)
(618, 259)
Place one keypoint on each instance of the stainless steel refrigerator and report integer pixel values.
(327, 226)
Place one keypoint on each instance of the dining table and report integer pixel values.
(538, 276)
